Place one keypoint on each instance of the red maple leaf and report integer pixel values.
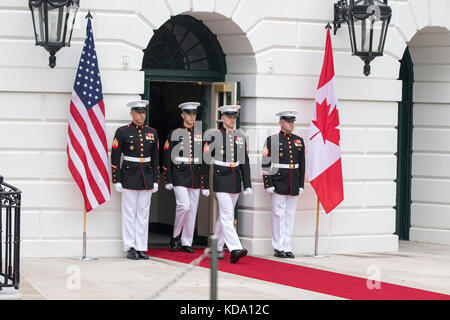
(327, 122)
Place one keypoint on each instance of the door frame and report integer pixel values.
(228, 93)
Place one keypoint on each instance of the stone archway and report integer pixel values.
(240, 55)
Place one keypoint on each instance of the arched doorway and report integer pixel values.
(183, 62)
(423, 176)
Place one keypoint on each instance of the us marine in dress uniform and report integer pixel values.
(283, 169)
(227, 150)
(182, 161)
(136, 178)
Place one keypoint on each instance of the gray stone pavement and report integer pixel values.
(419, 265)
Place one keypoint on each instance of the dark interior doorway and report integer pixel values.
(164, 116)
(404, 149)
(181, 61)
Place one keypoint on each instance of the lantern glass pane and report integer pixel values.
(73, 9)
(56, 23)
(362, 36)
(367, 36)
(383, 33)
(38, 20)
(377, 39)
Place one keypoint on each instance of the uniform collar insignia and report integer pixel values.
(136, 126)
(285, 133)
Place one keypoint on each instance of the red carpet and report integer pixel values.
(331, 283)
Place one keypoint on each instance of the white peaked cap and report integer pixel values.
(229, 108)
(189, 105)
(288, 114)
(138, 104)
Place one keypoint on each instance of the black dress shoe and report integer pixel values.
(187, 249)
(142, 255)
(289, 255)
(132, 254)
(237, 254)
(220, 255)
(175, 244)
(279, 254)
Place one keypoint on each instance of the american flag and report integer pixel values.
(86, 143)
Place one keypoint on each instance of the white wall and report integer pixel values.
(430, 209)
(275, 48)
(34, 105)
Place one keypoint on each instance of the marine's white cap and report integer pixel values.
(287, 115)
(189, 106)
(229, 108)
(141, 104)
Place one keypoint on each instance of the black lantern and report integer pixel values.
(53, 22)
(368, 22)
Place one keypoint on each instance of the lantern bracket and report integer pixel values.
(341, 12)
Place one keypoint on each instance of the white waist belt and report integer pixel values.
(188, 160)
(285, 166)
(226, 164)
(135, 159)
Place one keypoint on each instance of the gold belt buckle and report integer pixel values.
(291, 166)
(232, 165)
(141, 160)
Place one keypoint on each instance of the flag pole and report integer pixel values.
(316, 242)
(84, 257)
(84, 232)
(316, 237)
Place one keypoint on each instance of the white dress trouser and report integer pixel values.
(135, 218)
(224, 229)
(283, 219)
(185, 213)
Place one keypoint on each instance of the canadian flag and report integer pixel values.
(323, 159)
